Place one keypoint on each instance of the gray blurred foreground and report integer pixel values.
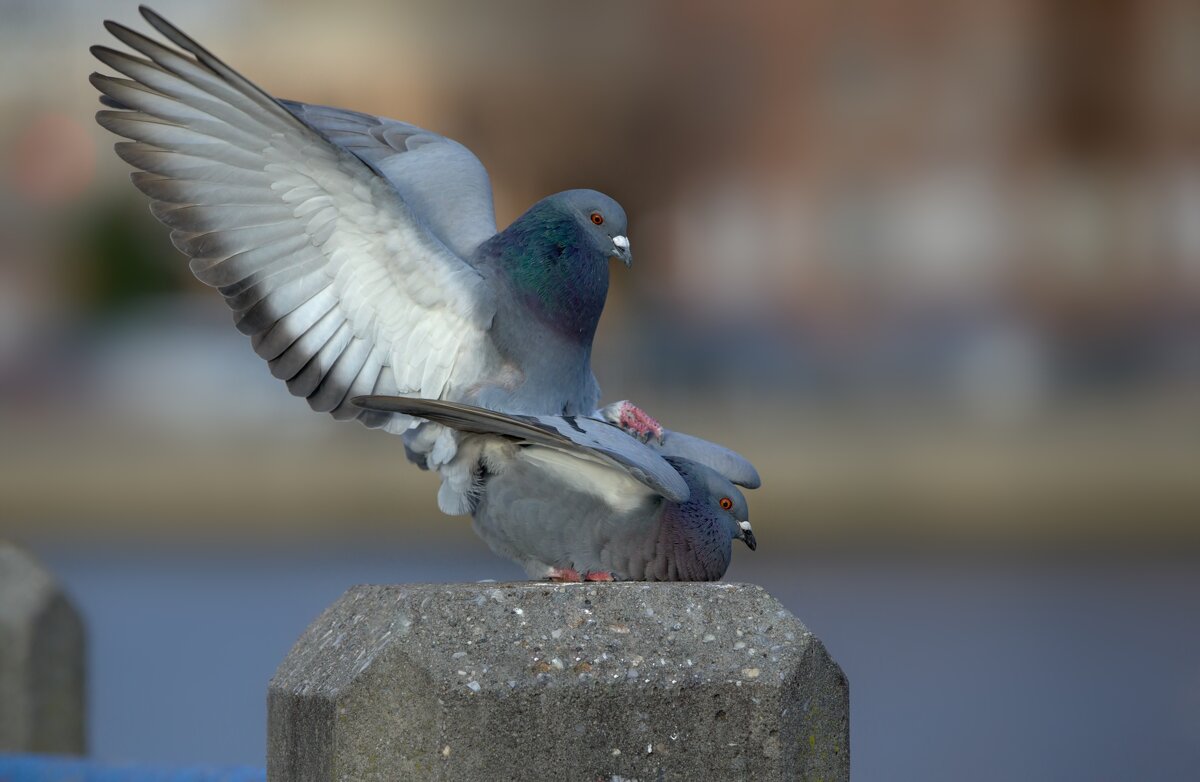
(41, 660)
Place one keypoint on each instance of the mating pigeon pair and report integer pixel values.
(361, 256)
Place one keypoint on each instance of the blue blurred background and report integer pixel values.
(933, 266)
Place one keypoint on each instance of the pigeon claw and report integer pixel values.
(564, 574)
(634, 421)
(599, 575)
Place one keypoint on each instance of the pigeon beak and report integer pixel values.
(747, 535)
(622, 251)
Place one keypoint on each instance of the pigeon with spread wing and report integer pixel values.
(361, 254)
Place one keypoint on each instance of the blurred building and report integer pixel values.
(935, 211)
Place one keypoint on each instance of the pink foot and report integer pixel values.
(599, 575)
(633, 420)
(568, 574)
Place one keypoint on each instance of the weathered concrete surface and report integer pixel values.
(41, 660)
(558, 681)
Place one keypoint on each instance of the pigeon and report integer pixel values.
(577, 499)
(361, 254)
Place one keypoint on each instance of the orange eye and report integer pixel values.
(597, 218)
(726, 503)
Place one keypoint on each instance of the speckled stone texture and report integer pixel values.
(532, 681)
(41, 660)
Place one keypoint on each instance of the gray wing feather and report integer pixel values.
(729, 463)
(442, 181)
(344, 287)
(586, 437)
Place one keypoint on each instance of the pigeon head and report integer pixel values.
(726, 500)
(715, 498)
(556, 257)
(601, 218)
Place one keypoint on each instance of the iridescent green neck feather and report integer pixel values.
(555, 269)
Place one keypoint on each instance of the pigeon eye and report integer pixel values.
(597, 218)
(726, 503)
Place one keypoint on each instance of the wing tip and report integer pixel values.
(751, 480)
(105, 54)
(103, 84)
(678, 494)
(115, 28)
(155, 19)
(104, 118)
(96, 78)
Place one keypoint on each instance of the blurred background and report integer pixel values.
(933, 266)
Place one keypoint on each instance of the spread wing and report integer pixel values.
(343, 287)
(585, 438)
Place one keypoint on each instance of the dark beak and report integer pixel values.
(747, 537)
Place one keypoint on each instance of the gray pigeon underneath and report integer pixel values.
(579, 499)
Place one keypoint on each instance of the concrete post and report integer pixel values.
(41, 660)
(531, 681)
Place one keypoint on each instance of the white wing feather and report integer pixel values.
(342, 288)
